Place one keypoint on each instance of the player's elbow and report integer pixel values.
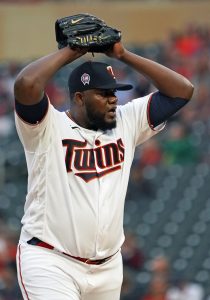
(23, 83)
(188, 90)
(25, 89)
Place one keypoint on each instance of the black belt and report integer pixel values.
(37, 242)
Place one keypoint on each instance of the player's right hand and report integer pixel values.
(116, 51)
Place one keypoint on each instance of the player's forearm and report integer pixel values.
(32, 80)
(165, 80)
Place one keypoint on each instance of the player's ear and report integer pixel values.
(78, 98)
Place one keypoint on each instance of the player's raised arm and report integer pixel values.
(31, 81)
(167, 81)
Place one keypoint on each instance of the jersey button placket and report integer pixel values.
(97, 144)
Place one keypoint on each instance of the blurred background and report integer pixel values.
(167, 212)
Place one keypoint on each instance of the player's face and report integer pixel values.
(100, 107)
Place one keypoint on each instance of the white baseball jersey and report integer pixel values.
(78, 179)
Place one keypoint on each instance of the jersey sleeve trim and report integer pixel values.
(148, 112)
(32, 114)
(162, 107)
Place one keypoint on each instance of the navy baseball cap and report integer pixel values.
(94, 75)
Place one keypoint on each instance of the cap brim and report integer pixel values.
(116, 86)
(123, 87)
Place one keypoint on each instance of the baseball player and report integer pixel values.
(78, 170)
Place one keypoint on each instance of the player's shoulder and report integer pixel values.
(134, 103)
(56, 112)
(59, 115)
(63, 119)
(56, 116)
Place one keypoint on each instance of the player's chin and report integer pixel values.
(110, 123)
(110, 117)
(103, 121)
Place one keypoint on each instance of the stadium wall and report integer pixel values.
(27, 31)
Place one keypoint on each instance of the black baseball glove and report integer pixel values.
(85, 31)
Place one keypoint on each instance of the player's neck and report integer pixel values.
(71, 116)
(78, 120)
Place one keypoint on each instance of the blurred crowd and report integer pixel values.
(161, 284)
(9, 289)
(187, 52)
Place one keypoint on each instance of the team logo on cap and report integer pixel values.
(85, 78)
(110, 70)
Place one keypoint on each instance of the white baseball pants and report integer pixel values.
(45, 274)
